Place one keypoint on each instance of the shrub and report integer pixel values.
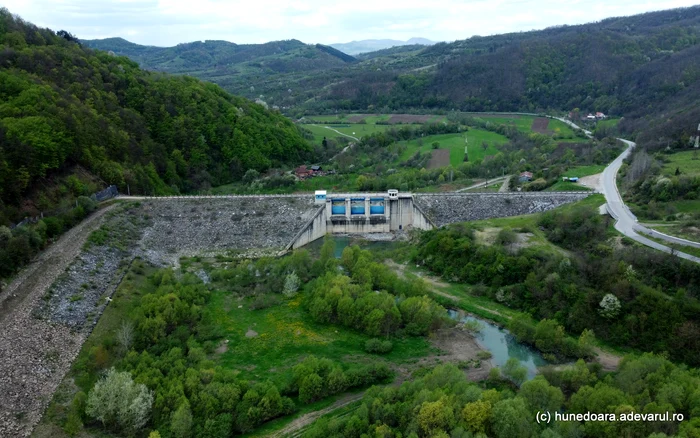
(378, 346)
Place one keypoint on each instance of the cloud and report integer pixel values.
(169, 22)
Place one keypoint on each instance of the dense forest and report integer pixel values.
(63, 105)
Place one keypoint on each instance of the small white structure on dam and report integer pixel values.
(360, 213)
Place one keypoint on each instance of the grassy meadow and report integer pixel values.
(285, 334)
(456, 143)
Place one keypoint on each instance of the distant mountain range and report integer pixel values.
(365, 46)
(644, 67)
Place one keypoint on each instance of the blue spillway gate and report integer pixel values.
(357, 206)
(338, 206)
(376, 206)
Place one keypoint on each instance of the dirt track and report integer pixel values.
(35, 354)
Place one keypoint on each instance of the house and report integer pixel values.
(525, 177)
(570, 178)
(315, 168)
(590, 117)
(302, 172)
(600, 116)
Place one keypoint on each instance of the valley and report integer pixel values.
(216, 239)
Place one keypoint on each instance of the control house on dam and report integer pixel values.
(360, 213)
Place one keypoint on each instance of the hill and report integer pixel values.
(644, 68)
(365, 46)
(69, 113)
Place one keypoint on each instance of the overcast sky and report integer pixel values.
(169, 22)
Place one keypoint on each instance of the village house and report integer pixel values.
(525, 177)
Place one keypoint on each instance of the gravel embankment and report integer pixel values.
(35, 354)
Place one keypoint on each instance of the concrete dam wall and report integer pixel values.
(186, 226)
(447, 208)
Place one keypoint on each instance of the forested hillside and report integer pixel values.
(643, 67)
(63, 105)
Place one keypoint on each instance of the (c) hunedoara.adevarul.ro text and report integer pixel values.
(547, 417)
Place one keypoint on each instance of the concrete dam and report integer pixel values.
(359, 213)
(270, 224)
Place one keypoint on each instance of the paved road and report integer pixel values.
(483, 184)
(626, 221)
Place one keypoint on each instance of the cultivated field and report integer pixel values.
(439, 158)
(455, 143)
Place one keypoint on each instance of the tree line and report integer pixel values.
(442, 403)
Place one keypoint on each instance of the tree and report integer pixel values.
(484, 145)
(476, 415)
(311, 388)
(291, 284)
(181, 422)
(609, 306)
(125, 335)
(250, 176)
(511, 419)
(541, 396)
(68, 37)
(117, 402)
(435, 145)
(434, 417)
(515, 371)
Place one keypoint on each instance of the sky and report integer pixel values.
(170, 22)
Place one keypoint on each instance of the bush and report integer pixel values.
(378, 346)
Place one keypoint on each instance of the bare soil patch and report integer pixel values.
(458, 345)
(539, 125)
(592, 182)
(251, 333)
(222, 348)
(439, 158)
(357, 118)
(409, 118)
(608, 361)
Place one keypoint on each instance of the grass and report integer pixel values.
(680, 248)
(688, 162)
(359, 131)
(677, 230)
(455, 143)
(581, 171)
(567, 186)
(286, 334)
(561, 130)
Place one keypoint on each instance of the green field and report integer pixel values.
(358, 131)
(567, 186)
(524, 124)
(581, 171)
(687, 162)
(455, 143)
(286, 334)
